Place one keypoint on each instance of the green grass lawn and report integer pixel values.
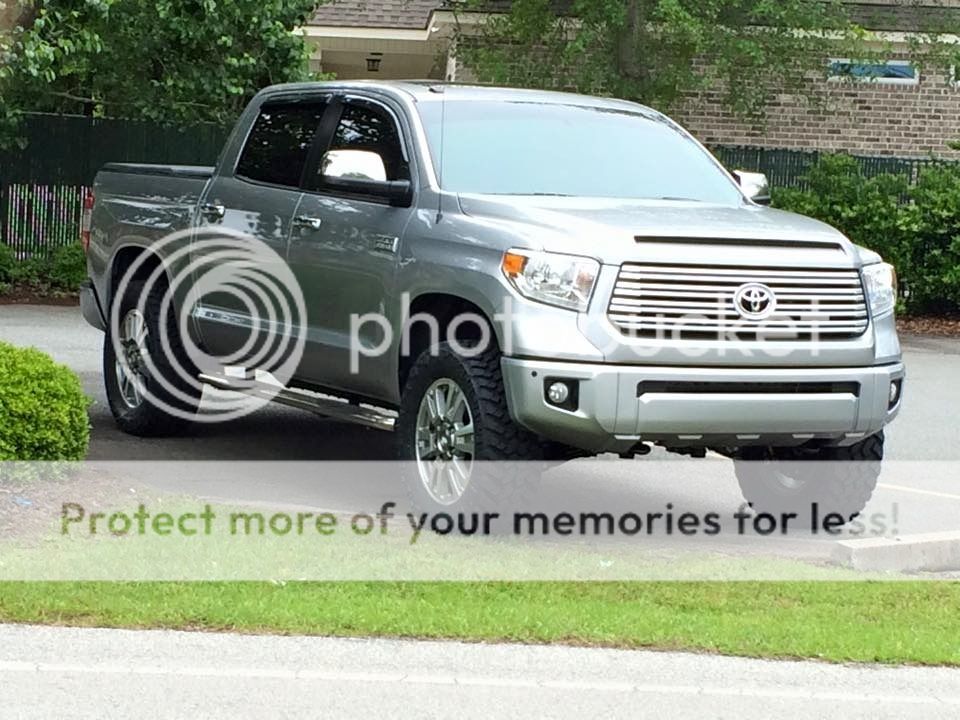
(914, 622)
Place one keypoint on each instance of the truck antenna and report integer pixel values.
(439, 90)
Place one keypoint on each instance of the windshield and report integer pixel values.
(529, 148)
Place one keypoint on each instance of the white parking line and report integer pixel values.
(917, 491)
(491, 682)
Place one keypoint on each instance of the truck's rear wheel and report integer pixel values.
(141, 404)
(835, 480)
(462, 451)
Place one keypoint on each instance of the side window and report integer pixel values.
(277, 147)
(370, 128)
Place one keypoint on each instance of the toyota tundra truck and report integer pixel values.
(496, 274)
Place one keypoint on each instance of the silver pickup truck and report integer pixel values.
(494, 274)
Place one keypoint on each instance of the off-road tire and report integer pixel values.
(838, 480)
(149, 419)
(509, 457)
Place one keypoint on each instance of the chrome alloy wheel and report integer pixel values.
(132, 354)
(445, 441)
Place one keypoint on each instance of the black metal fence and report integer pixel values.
(786, 168)
(42, 185)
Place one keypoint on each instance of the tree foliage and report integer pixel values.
(657, 51)
(914, 225)
(167, 60)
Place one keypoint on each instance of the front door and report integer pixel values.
(344, 250)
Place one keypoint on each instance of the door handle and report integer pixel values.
(305, 221)
(212, 211)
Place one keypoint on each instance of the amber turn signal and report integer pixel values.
(513, 263)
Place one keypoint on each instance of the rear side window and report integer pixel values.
(277, 147)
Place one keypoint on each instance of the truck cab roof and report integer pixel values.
(435, 91)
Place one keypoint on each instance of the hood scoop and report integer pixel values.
(739, 242)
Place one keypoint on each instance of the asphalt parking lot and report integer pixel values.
(925, 431)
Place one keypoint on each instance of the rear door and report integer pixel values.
(344, 247)
(256, 199)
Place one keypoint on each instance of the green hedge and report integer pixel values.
(43, 411)
(8, 264)
(62, 272)
(916, 227)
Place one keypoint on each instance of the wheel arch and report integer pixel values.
(416, 333)
(123, 260)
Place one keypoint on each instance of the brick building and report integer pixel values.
(903, 109)
(897, 108)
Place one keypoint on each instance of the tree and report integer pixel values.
(658, 51)
(167, 60)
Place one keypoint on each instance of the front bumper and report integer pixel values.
(621, 405)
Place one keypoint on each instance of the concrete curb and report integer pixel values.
(930, 552)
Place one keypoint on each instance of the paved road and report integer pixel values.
(121, 674)
(926, 430)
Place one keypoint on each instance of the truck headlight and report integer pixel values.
(880, 281)
(562, 280)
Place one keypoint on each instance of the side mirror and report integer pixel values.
(353, 164)
(755, 186)
(363, 172)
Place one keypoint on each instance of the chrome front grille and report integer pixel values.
(697, 302)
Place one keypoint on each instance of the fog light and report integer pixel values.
(558, 393)
(894, 392)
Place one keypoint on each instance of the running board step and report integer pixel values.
(332, 408)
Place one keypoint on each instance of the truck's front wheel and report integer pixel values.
(462, 452)
(834, 480)
(146, 380)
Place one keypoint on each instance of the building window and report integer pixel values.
(891, 72)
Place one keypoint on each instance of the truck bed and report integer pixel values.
(146, 201)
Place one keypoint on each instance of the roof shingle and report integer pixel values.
(406, 14)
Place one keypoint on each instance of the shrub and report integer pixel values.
(932, 223)
(31, 271)
(68, 267)
(8, 262)
(62, 272)
(43, 411)
(917, 228)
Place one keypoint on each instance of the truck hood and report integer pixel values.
(616, 231)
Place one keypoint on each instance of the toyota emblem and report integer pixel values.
(755, 301)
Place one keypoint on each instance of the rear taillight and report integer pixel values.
(86, 219)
